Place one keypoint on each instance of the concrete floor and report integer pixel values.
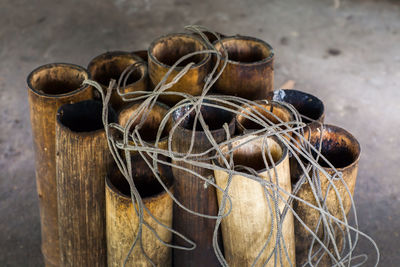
(360, 85)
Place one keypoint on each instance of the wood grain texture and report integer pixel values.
(49, 87)
(165, 51)
(123, 223)
(191, 191)
(246, 229)
(82, 162)
(343, 151)
(249, 72)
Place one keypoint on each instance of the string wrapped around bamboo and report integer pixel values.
(165, 51)
(262, 111)
(49, 87)
(123, 222)
(309, 106)
(247, 228)
(83, 160)
(190, 190)
(342, 150)
(111, 65)
(249, 72)
(149, 129)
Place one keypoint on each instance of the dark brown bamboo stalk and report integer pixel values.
(83, 160)
(123, 223)
(165, 51)
(342, 150)
(111, 65)
(49, 87)
(249, 72)
(190, 190)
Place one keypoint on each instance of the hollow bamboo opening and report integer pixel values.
(57, 79)
(146, 184)
(245, 49)
(169, 49)
(266, 112)
(84, 116)
(306, 104)
(251, 154)
(214, 117)
(149, 129)
(111, 65)
(338, 146)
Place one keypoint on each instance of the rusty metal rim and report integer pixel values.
(111, 54)
(249, 38)
(273, 137)
(197, 65)
(53, 65)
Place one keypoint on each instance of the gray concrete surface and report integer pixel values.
(360, 85)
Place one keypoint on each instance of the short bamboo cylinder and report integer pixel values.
(246, 229)
(191, 191)
(83, 160)
(342, 150)
(49, 87)
(110, 65)
(210, 36)
(249, 72)
(123, 222)
(149, 129)
(309, 106)
(165, 52)
(268, 112)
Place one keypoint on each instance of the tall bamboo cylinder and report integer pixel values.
(82, 161)
(110, 65)
(311, 107)
(149, 129)
(342, 150)
(249, 72)
(268, 112)
(166, 51)
(123, 222)
(247, 228)
(191, 191)
(49, 87)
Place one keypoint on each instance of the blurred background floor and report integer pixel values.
(348, 55)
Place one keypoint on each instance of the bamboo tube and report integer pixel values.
(110, 65)
(342, 150)
(210, 36)
(149, 129)
(165, 51)
(246, 229)
(82, 162)
(306, 104)
(123, 222)
(142, 54)
(49, 87)
(191, 191)
(277, 114)
(250, 69)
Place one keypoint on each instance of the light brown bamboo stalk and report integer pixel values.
(123, 222)
(246, 229)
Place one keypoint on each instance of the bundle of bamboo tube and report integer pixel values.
(184, 155)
